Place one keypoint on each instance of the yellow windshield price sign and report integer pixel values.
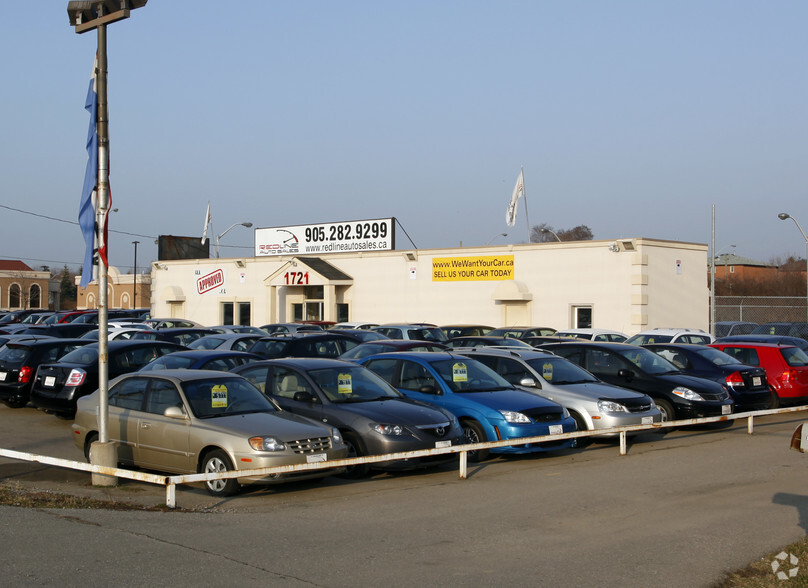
(218, 396)
(344, 384)
(477, 268)
(547, 371)
(460, 373)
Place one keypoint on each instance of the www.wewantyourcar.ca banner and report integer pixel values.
(344, 237)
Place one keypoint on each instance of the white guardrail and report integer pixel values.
(171, 482)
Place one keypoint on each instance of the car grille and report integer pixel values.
(644, 407)
(310, 445)
(543, 415)
(438, 430)
(714, 397)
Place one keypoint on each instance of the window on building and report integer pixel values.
(244, 313)
(227, 313)
(342, 313)
(34, 296)
(14, 296)
(582, 317)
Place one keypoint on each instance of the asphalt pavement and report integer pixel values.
(679, 510)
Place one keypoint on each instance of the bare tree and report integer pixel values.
(544, 233)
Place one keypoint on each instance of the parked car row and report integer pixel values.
(184, 410)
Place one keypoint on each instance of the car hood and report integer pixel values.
(395, 410)
(506, 399)
(284, 425)
(598, 391)
(693, 382)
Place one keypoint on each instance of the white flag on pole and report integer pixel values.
(207, 223)
(518, 192)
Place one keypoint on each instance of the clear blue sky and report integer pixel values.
(631, 117)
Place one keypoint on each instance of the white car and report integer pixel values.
(594, 335)
(694, 336)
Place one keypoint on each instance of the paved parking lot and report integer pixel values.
(679, 510)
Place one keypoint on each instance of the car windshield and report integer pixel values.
(169, 362)
(83, 355)
(560, 371)
(364, 350)
(352, 384)
(218, 397)
(794, 356)
(271, 347)
(648, 361)
(209, 342)
(646, 339)
(428, 334)
(717, 357)
(463, 374)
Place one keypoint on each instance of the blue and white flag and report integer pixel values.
(88, 192)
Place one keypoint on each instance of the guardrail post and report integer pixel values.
(171, 494)
(623, 450)
(464, 459)
(750, 424)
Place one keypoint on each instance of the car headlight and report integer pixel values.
(336, 437)
(565, 414)
(687, 394)
(610, 406)
(267, 444)
(393, 430)
(514, 417)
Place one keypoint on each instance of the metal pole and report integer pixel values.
(103, 205)
(134, 271)
(712, 279)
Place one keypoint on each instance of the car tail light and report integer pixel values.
(735, 380)
(789, 376)
(76, 378)
(25, 374)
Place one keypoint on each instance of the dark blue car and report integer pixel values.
(487, 406)
(201, 359)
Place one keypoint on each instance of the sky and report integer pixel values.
(633, 118)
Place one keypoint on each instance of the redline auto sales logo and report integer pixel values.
(210, 281)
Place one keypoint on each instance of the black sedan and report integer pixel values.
(59, 385)
(677, 395)
(318, 344)
(181, 335)
(19, 361)
(746, 384)
(390, 345)
(373, 417)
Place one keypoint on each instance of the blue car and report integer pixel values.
(487, 406)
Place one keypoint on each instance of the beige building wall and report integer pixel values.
(630, 285)
(121, 293)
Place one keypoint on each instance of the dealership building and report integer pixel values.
(627, 285)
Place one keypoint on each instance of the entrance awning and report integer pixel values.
(511, 290)
(308, 271)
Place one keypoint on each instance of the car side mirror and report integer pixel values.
(174, 412)
(627, 374)
(429, 389)
(529, 383)
(304, 397)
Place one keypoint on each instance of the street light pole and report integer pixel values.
(495, 236)
(552, 232)
(84, 17)
(248, 225)
(785, 216)
(134, 271)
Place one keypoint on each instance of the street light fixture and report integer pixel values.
(86, 16)
(248, 225)
(786, 216)
(495, 236)
(551, 231)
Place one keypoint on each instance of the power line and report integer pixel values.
(61, 220)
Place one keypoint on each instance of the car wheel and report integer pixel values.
(580, 424)
(218, 461)
(775, 400)
(354, 450)
(666, 409)
(474, 433)
(88, 442)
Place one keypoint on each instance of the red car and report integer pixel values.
(786, 368)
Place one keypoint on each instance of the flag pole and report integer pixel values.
(524, 192)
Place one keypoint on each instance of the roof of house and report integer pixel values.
(14, 265)
(732, 259)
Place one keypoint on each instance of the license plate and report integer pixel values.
(556, 429)
(647, 420)
(440, 444)
(726, 409)
(2, 376)
(50, 381)
(316, 458)
(757, 381)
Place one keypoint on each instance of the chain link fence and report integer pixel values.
(761, 309)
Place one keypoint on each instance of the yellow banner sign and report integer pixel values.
(458, 269)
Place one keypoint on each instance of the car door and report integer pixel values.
(283, 383)
(125, 403)
(163, 442)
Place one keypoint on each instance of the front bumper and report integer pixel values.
(610, 420)
(506, 431)
(250, 461)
